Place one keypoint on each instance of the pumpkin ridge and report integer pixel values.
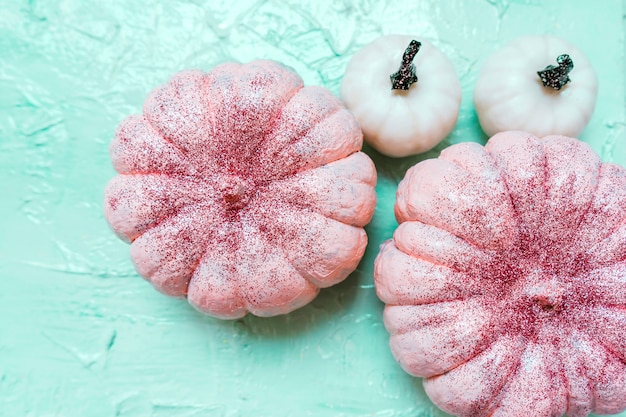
(295, 170)
(290, 301)
(202, 258)
(330, 161)
(278, 237)
(456, 266)
(488, 405)
(546, 174)
(133, 138)
(180, 233)
(430, 261)
(197, 265)
(304, 135)
(428, 324)
(270, 238)
(305, 207)
(592, 337)
(317, 122)
(581, 212)
(210, 107)
(460, 299)
(496, 400)
(612, 352)
(590, 388)
(471, 242)
(317, 210)
(372, 181)
(586, 211)
(447, 289)
(154, 173)
(568, 388)
(162, 220)
(609, 306)
(608, 235)
(478, 351)
(182, 155)
(417, 217)
(591, 383)
(618, 227)
(583, 371)
(211, 113)
(619, 260)
(167, 214)
(173, 89)
(299, 270)
(562, 373)
(450, 172)
(452, 268)
(266, 135)
(326, 116)
(515, 211)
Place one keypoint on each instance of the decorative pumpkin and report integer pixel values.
(241, 190)
(406, 99)
(538, 84)
(505, 282)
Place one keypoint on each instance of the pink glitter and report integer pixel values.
(505, 282)
(241, 189)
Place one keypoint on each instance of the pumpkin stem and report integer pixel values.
(405, 77)
(233, 191)
(557, 76)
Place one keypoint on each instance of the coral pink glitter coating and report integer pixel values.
(505, 282)
(241, 189)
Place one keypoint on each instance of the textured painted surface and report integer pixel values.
(80, 333)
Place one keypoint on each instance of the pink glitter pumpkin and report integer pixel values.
(241, 190)
(505, 282)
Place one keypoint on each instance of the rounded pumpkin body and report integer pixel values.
(505, 282)
(241, 189)
(399, 123)
(510, 95)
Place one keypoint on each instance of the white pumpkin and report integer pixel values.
(510, 93)
(399, 122)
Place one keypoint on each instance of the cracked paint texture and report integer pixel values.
(81, 334)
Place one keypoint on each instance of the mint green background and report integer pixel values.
(80, 333)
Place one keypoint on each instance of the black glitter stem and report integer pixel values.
(405, 77)
(557, 77)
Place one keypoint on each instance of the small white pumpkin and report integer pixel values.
(395, 121)
(521, 87)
